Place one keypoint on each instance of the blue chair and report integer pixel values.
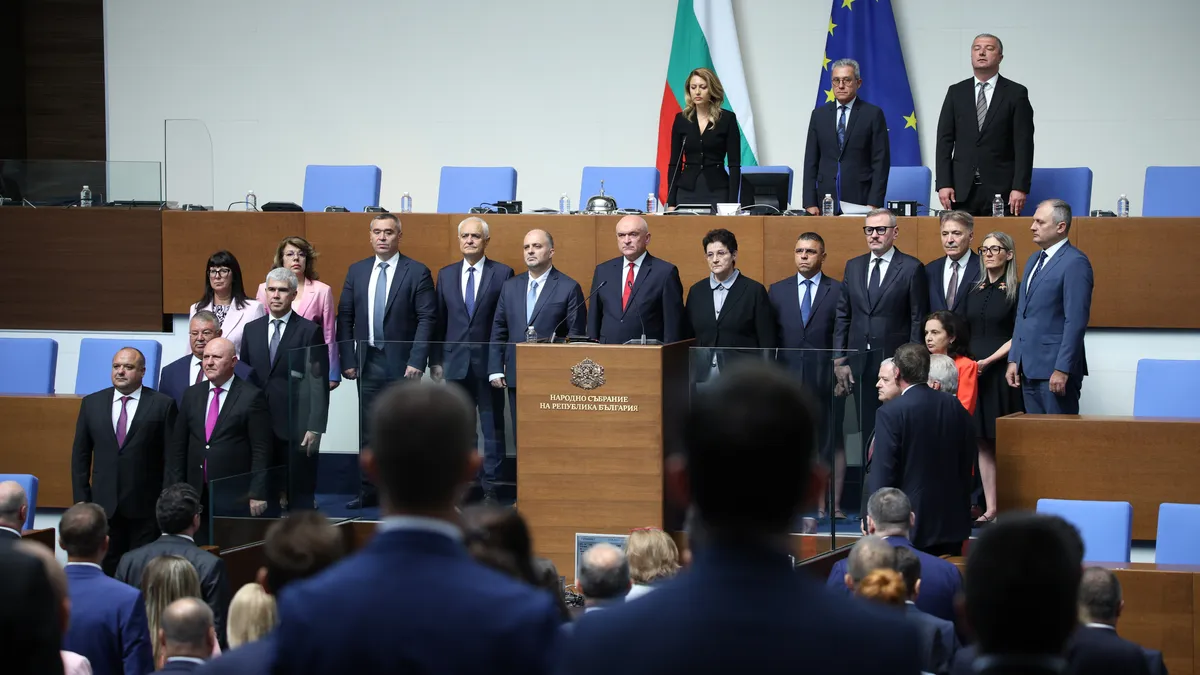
(30, 365)
(629, 185)
(1178, 535)
(771, 169)
(1073, 186)
(465, 187)
(1164, 389)
(1106, 527)
(95, 363)
(1169, 189)
(29, 483)
(910, 184)
(353, 187)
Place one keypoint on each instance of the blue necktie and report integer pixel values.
(841, 128)
(806, 302)
(380, 305)
(530, 301)
(1037, 268)
(469, 298)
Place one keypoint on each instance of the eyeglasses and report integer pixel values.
(295, 255)
(991, 250)
(206, 334)
(882, 229)
(219, 272)
(843, 80)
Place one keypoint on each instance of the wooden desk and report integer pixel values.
(38, 432)
(45, 537)
(1144, 461)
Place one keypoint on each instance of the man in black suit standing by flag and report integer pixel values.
(119, 454)
(847, 154)
(985, 137)
(291, 366)
(638, 293)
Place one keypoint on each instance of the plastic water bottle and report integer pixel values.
(651, 203)
(1123, 207)
(251, 201)
(405, 203)
(564, 204)
(997, 207)
(530, 334)
(85, 196)
(827, 206)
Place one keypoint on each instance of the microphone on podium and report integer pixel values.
(591, 295)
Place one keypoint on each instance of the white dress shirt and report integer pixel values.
(1049, 254)
(17, 532)
(390, 274)
(907, 388)
(883, 266)
(812, 289)
(719, 294)
(90, 564)
(220, 401)
(948, 269)
(130, 408)
(185, 659)
(420, 524)
(987, 91)
(837, 113)
(194, 369)
(282, 327)
(478, 267)
(637, 268)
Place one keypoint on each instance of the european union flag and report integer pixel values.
(865, 30)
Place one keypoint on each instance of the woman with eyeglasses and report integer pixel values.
(225, 296)
(314, 299)
(991, 312)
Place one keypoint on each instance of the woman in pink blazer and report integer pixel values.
(314, 299)
(225, 296)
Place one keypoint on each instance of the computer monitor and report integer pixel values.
(765, 189)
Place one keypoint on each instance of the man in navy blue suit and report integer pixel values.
(805, 306)
(178, 375)
(413, 599)
(747, 468)
(108, 618)
(925, 446)
(639, 295)
(386, 316)
(1047, 358)
(951, 276)
(544, 299)
(467, 294)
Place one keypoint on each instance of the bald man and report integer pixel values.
(119, 454)
(636, 294)
(14, 509)
(185, 635)
(223, 430)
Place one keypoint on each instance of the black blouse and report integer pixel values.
(990, 316)
(706, 153)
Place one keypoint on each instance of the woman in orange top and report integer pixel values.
(946, 333)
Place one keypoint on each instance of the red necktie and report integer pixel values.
(628, 289)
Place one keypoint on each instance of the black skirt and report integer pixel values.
(701, 194)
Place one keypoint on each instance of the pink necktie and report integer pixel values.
(122, 421)
(199, 375)
(214, 409)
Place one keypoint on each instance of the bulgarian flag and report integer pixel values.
(705, 37)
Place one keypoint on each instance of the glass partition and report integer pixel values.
(241, 507)
(44, 183)
(188, 163)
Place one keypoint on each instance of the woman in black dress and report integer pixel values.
(707, 136)
(991, 311)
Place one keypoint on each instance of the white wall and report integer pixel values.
(550, 87)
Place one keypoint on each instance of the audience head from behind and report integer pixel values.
(83, 533)
(280, 287)
(1100, 597)
(603, 575)
(423, 454)
(912, 365)
(178, 510)
(220, 356)
(749, 464)
(499, 538)
(223, 281)
(57, 577)
(883, 586)
(889, 513)
(128, 369)
(167, 578)
(14, 506)
(298, 547)
(252, 614)
(186, 630)
(203, 327)
(908, 564)
(1021, 589)
(887, 385)
(943, 374)
(653, 556)
(868, 554)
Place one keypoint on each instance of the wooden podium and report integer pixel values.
(594, 424)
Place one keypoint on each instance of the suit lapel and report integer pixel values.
(822, 291)
(306, 302)
(231, 397)
(287, 341)
(970, 277)
(638, 281)
(997, 98)
(893, 271)
(854, 115)
(138, 415)
(544, 294)
(397, 280)
(1049, 265)
(489, 269)
(732, 294)
(939, 277)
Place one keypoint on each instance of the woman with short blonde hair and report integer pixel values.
(653, 557)
(252, 614)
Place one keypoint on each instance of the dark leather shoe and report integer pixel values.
(489, 498)
(362, 502)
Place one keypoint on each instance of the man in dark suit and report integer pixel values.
(178, 375)
(467, 294)
(747, 468)
(727, 310)
(985, 137)
(883, 305)
(108, 618)
(223, 430)
(185, 636)
(31, 611)
(291, 367)
(1095, 646)
(344, 621)
(14, 510)
(908, 564)
(889, 515)
(386, 317)
(1054, 305)
(925, 446)
(847, 155)
(178, 513)
(118, 457)
(951, 276)
(805, 306)
(542, 299)
(636, 295)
